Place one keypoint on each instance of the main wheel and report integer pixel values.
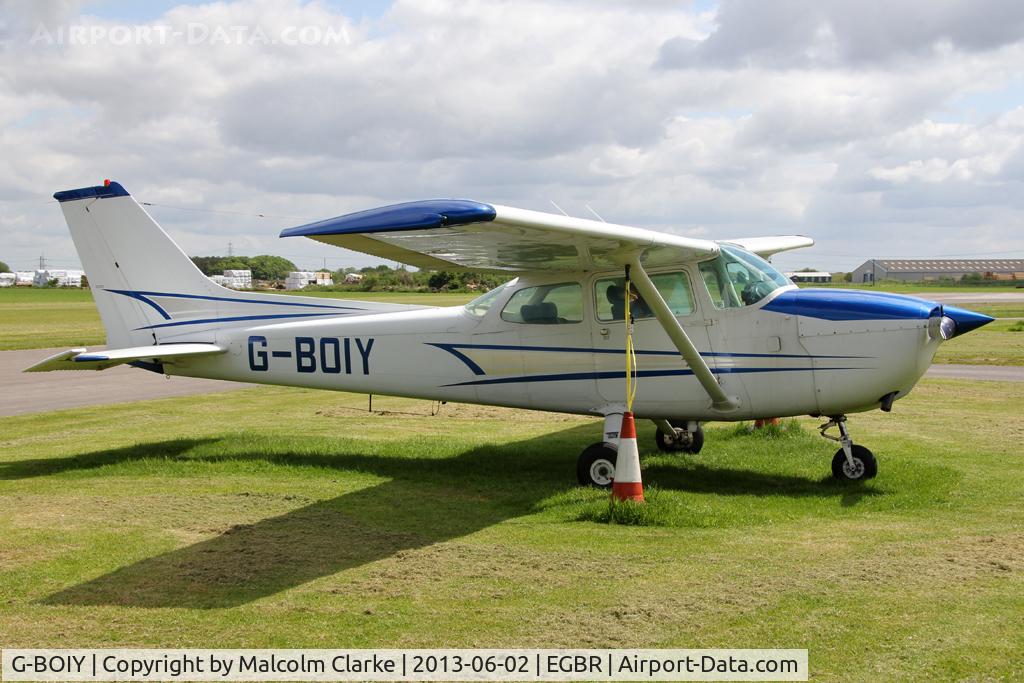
(864, 465)
(596, 465)
(672, 446)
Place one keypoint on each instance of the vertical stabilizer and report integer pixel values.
(127, 256)
(149, 292)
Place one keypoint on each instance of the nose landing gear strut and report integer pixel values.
(852, 462)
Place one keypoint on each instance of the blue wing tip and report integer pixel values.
(109, 188)
(420, 215)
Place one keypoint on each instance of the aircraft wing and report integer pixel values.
(459, 234)
(765, 247)
(81, 359)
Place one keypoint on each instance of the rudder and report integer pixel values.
(127, 254)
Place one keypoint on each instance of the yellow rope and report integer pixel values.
(630, 352)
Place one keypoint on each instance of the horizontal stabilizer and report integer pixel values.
(81, 359)
(766, 247)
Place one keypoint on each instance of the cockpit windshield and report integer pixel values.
(740, 278)
(479, 306)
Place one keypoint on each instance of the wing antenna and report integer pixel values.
(560, 209)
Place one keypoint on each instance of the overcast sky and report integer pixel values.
(879, 128)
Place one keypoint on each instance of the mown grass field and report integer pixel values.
(43, 318)
(998, 343)
(278, 517)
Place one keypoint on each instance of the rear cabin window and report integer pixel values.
(546, 305)
(479, 306)
(611, 301)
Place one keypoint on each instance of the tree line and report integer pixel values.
(263, 267)
(386, 279)
(380, 278)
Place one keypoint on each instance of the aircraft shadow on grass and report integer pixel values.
(425, 501)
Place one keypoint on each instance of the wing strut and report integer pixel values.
(719, 400)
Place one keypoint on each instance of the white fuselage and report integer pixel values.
(554, 339)
(776, 360)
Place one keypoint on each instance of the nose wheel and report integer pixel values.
(852, 462)
(860, 464)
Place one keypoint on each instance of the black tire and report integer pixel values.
(694, 447)
(865, 465)
(596, 465)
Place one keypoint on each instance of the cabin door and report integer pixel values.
(666, 386)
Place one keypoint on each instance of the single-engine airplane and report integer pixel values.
(719, 333)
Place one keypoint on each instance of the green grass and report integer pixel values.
(278, 517)
(997, 310)
(33, 318)
(998, 343)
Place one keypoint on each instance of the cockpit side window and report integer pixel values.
(479, 306)
(610, 296)
(739, 278)
(555, 304)
(719, 283)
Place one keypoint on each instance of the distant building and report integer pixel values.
(7, 279)
(917, 270)
(24, 278)
(353, 278)
(64, 278)
(237, 279)
(810, 276)
(300, 279)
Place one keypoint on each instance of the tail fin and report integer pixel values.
(127, 254)
(149, 292)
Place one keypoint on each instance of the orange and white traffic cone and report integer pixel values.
(627, 484)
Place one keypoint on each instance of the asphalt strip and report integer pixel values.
(35, 392)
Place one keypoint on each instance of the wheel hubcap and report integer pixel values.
(854, 470)
(602, 472)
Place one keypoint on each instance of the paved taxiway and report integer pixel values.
(958, 298)
(32, 392)
(1002, 373)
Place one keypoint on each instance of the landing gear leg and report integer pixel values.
(852, 462)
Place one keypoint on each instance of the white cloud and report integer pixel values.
(838, 33)
(828, 119)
